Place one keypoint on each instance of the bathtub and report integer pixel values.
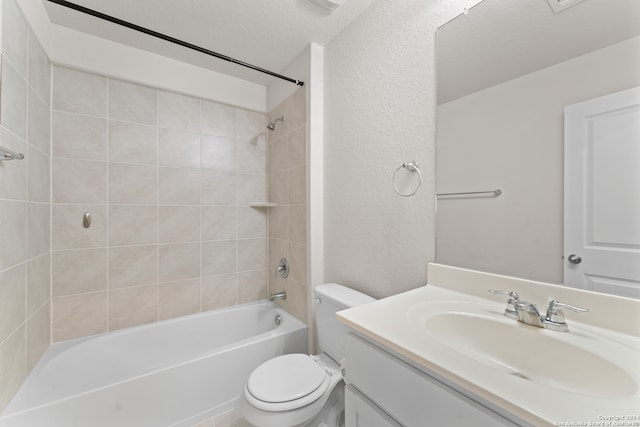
(171, 373)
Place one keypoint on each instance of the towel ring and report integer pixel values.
(412, 167)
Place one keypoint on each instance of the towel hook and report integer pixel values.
(412, 167)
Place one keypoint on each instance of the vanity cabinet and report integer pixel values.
(383, 390)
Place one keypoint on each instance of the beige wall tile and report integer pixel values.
(298, 223)
(251, 188)
(79, 181)
(133, 266)
(297, 301)
(39, 122)
(79, 137)
(12, 365)
(179, 148)
(218, 223)
(219, 257)
(78, 316)
(133, 184)
(179, 112)
(179, 298)
(78, 271)
(219, 153)
(38, 335)
(179, 224)
(298, 185)
(252, 222)
(298, 262)
(279, 155)
(13, 102)
(39, 176)
(15, 34)
(13, 228)
(133, 306)
(39, 69)
(179, 261)
(250, 125)
(218, 119)
(133, 225)
(132, 102)
(218, 188)
(279, 187)
(13, 175)
(68, 232)
(219, 291)
(298, 109)
(252, 286)
(252, 254)
(279, 222)
(133, 143)
(38, 282)
(179, 186)
(12, 299)
(298, 147)
(79, 92)
(252, 156)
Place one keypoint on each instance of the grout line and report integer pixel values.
(200, 305)
(158, 201)
(107, 211)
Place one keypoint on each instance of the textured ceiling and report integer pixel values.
(500, 40)
(265, 33)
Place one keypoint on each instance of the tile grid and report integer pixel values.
(284, 146)
(159, 242)
(23, 256)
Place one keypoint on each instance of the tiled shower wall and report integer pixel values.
(167, 180)
(288, 188)
(25, 302)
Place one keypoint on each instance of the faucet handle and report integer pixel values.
(555, 315)
(510, 310)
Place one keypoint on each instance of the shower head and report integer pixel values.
(272, 123)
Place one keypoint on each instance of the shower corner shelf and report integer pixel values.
(263, 205)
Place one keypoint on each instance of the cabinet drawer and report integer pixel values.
(359, 412)
(409, 395)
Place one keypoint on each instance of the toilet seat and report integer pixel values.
(287, 382)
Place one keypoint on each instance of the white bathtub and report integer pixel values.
(171, 373)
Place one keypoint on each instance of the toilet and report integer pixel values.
(302, 390)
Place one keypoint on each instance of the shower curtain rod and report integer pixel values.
(170, 39)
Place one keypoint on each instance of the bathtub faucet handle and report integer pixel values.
(283, 268)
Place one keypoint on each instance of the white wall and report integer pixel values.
(510, 136)
(89, 53)
(380, 112)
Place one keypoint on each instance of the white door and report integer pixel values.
(602, 194)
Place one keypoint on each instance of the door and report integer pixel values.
(602, 194)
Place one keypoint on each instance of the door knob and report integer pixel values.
(574, 259)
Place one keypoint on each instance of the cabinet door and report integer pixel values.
(410, 396)
(359, 412)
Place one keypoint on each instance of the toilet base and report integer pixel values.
(329, 413)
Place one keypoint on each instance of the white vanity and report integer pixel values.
(446, 354)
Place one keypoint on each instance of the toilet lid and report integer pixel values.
(286, 378)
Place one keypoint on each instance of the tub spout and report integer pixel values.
(278, 295)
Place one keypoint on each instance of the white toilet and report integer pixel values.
(298, 389)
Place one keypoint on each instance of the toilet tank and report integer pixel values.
(331, 298)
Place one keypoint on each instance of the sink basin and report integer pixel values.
(528, 353)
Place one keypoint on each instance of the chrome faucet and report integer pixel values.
(283, 268)
(528, 313)
(278, 295)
